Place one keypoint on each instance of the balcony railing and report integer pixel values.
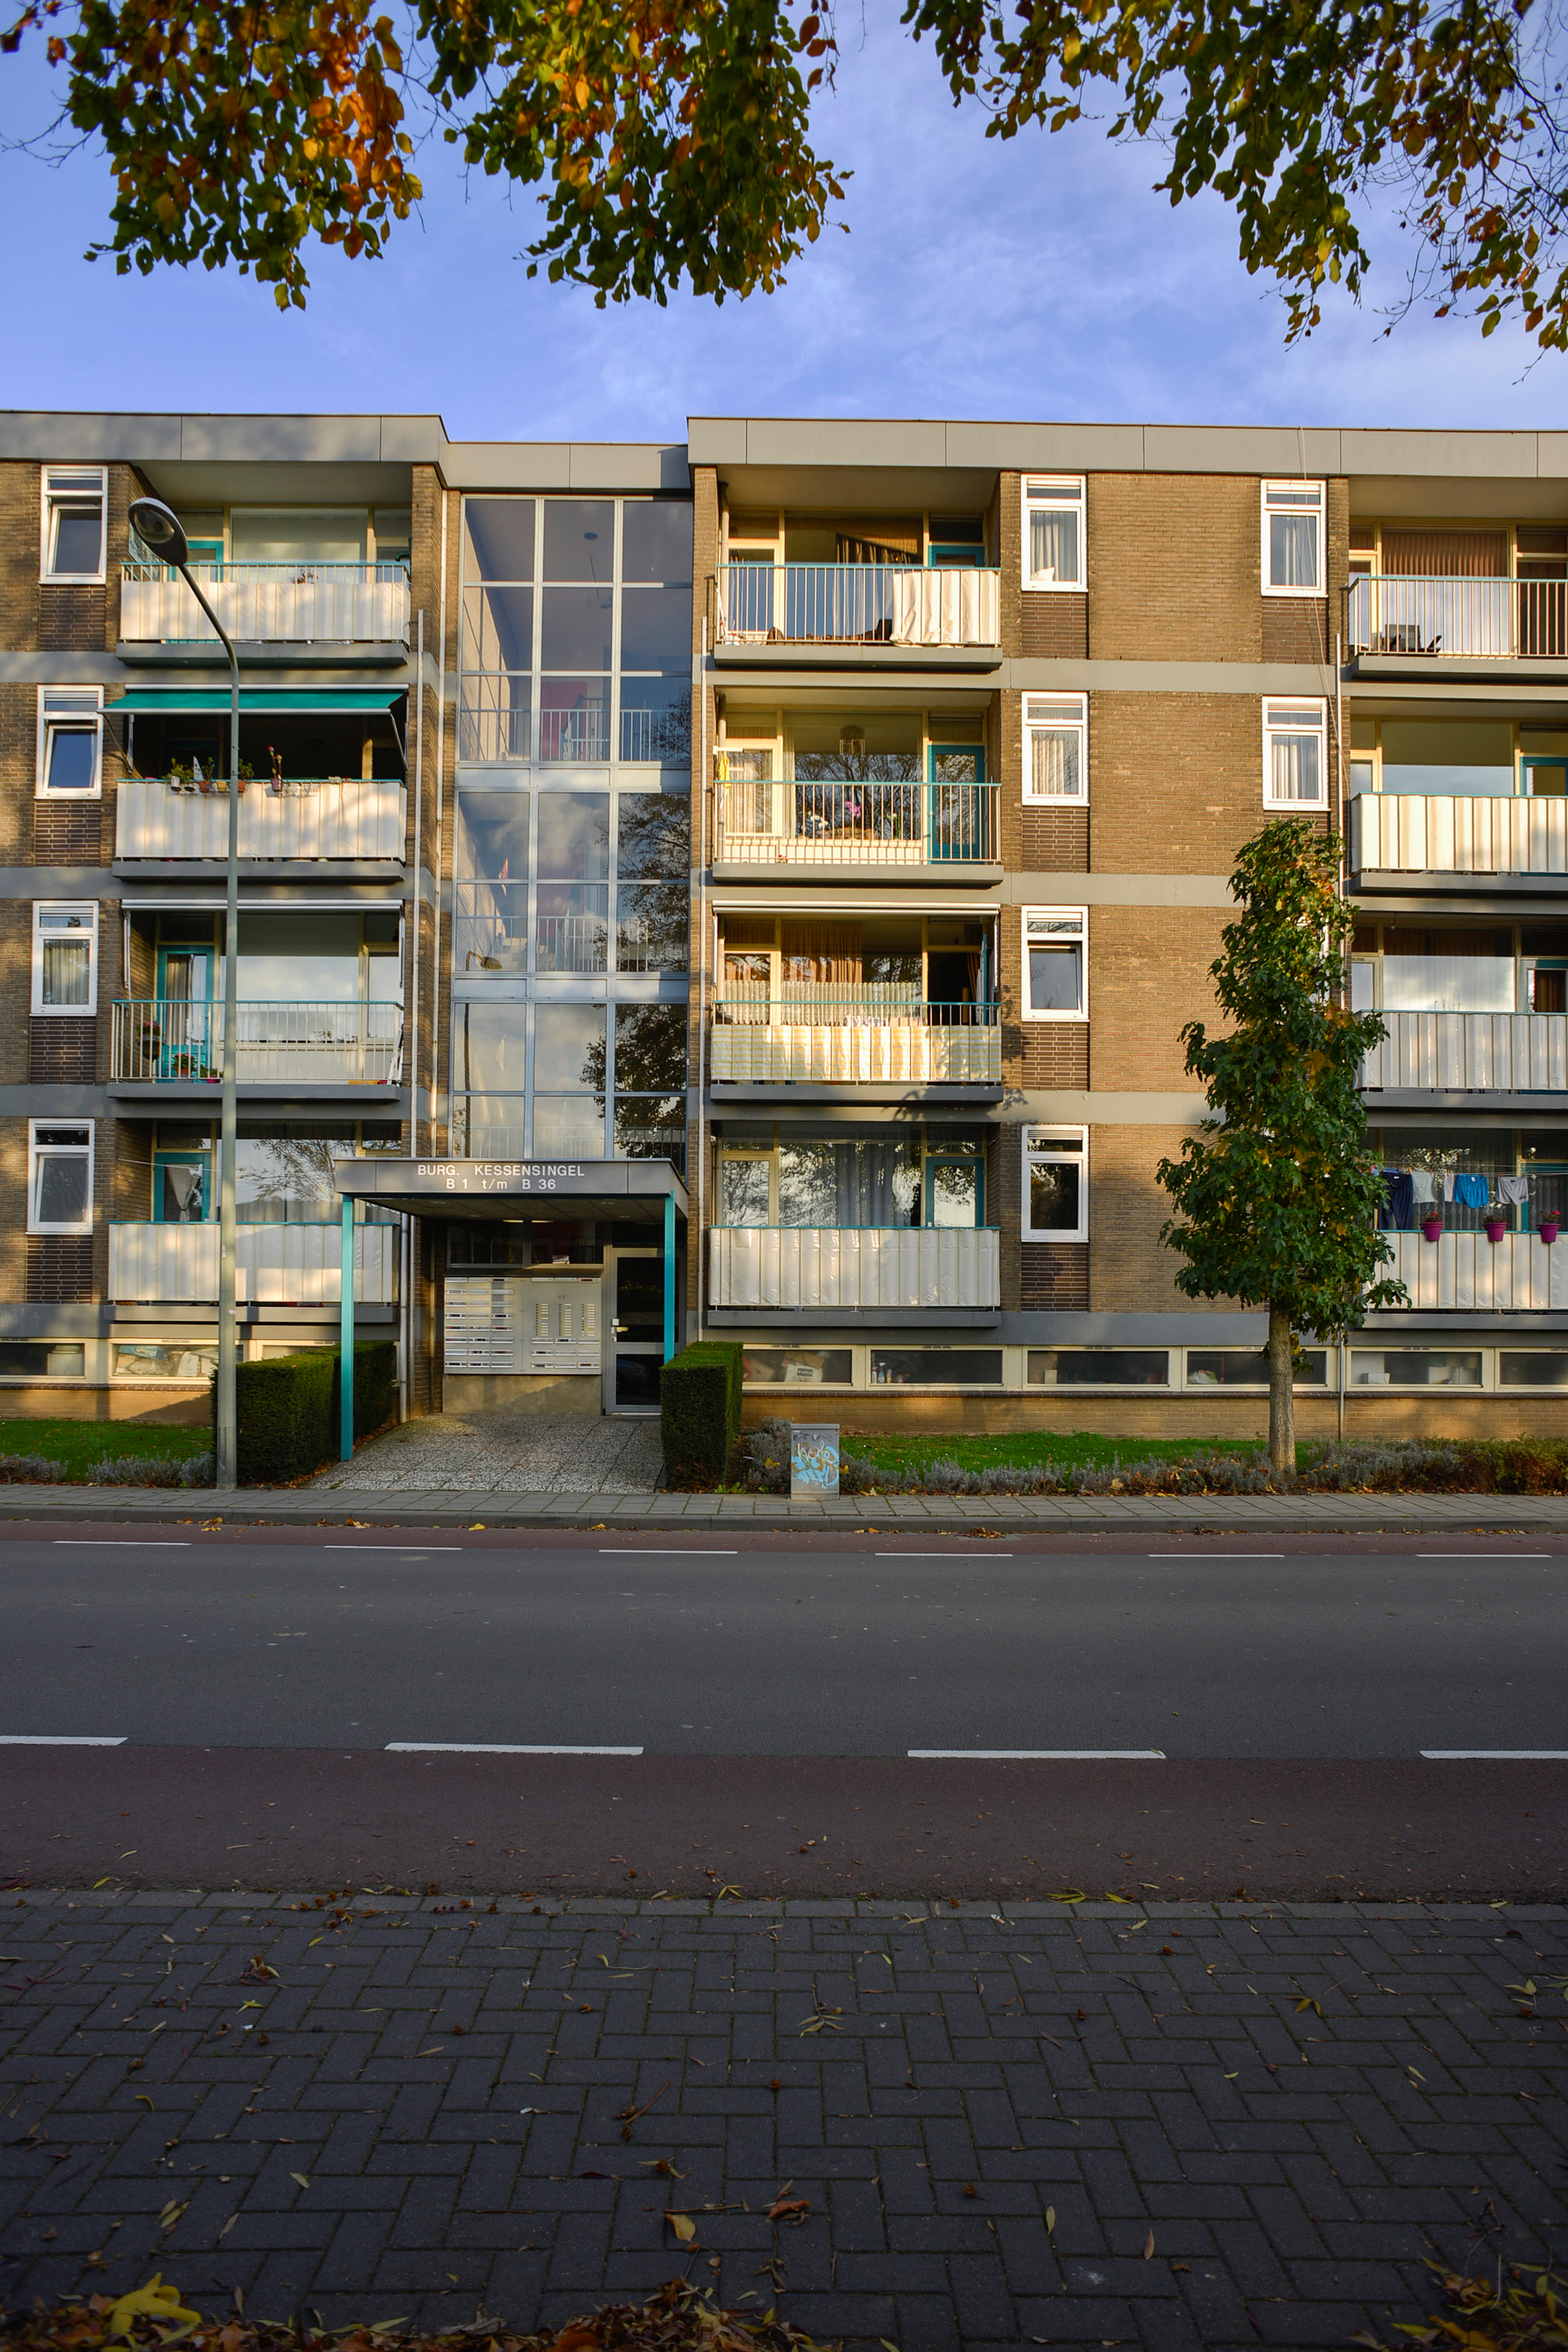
(834, 1038)
(856, 604)
(1471, 1053)
(275, 1265)
(1457, 833)
(1470, 620)
(764, 821)
(854, 1266)
(322, 817)
(284, 603)
(165, 1041)
(1521, 1274)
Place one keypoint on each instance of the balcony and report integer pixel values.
(1456, 834)
(275, 1265)
(352, 819)
(1470, 1053)
(163, 1041)
(297, 604)
(869, 1267)
(1519, 1274)
(1430, 622)
(860, 613)
(870, 1037)
(895, 828)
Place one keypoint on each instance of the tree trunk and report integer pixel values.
(1281, 1400)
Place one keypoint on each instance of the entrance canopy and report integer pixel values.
(629, 1191)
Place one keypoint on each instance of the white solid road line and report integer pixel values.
(666, 1551)
(488, 1747)
(942, 1555)
(1496, 1755)
(53, 1739)
(420, 1548)
(1214, 1555)
(1486, 1555)
(1039, 1755)
(145, 1543)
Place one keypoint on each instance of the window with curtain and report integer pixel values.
(1053, 533)
(1055, 940)
(1057, 768)
(64, 941)
(59, 1174)
(1295, 754)
(1293, 539)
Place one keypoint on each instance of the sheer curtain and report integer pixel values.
(68, 965)
(1056, 762)
(1053, 545)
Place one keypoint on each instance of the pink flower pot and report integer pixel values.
(1496, 1228)
(1432, 1227)
(1547, 1229)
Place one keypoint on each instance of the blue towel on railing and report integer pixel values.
(1471, 1191)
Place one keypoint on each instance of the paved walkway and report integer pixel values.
(324, 1504)
(1190, 2127)
(507, 1454)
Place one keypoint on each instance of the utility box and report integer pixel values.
(812, 1460)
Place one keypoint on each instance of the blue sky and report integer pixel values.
(1038, 277)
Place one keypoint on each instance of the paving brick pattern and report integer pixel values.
(1193, 2126)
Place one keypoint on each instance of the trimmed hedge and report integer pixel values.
(289, 1409)
(700, 1411)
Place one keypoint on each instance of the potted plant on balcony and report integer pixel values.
(1547, 1226)
(1432, 1225)
(1496, 1226)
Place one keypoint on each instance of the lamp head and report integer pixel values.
(159, 531)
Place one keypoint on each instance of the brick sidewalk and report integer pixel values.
(992, 2119)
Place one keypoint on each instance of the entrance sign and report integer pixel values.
(812, 1460)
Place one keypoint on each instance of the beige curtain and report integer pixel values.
(1445, 554)
(822, 954)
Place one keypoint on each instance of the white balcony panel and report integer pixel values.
(347, 817)
(902, 1054)
(275, 1265)
(1471, 1053)
(1520, 1274)
(285, 604)
(1457, 833)
(858, 604)
(172, 1041)
(872, 1266)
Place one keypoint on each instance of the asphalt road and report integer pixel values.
(832, 1652)
(258, 1687)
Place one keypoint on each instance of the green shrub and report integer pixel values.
(700, 1411)
(288, 1409)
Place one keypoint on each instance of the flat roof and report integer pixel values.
(630, 1190)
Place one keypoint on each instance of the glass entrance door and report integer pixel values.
(632, 1361)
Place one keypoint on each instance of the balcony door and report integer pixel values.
(957, 828)
(180, 1181)
(635, 1350)
(188, 1045)
(1545, 779)
(956, 1194)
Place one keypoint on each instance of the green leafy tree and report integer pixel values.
(1276, 1194)
(672, 138)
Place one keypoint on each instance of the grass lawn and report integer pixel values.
(1065, 1450)
(78, 1446)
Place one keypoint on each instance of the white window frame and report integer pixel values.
(84, 1126)
(74, 707)
(1063, 502)
(50, 498)
(1038, 1150)
(88, 910)
(1055, 714)
(1295, 492)
(1273, 725)
(1026, 915)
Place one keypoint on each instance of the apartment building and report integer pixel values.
(756, 886)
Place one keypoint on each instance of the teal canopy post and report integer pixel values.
(669, 1275)
(346, 1340)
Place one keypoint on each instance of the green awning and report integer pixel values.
(159, 700)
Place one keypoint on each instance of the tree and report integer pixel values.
(1276, 1194)
(674, 138)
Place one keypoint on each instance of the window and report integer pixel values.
(1293, 538)
(54, 1359)
(936, 1367)
(170, 1359)
(1247, 1367)
(1056, 1183)
(70, 741)
(1056, 761)
(1518, 1370)
(59, 1177)
(1056, 977)
(73, 523)
(1052, 532)
(1295, 755)
(797, 1367)
(1100, 1368)
(64, 958)
(1415, 1367)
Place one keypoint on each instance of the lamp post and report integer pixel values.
(161, 532)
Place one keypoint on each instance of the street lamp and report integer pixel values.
(162, 534)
